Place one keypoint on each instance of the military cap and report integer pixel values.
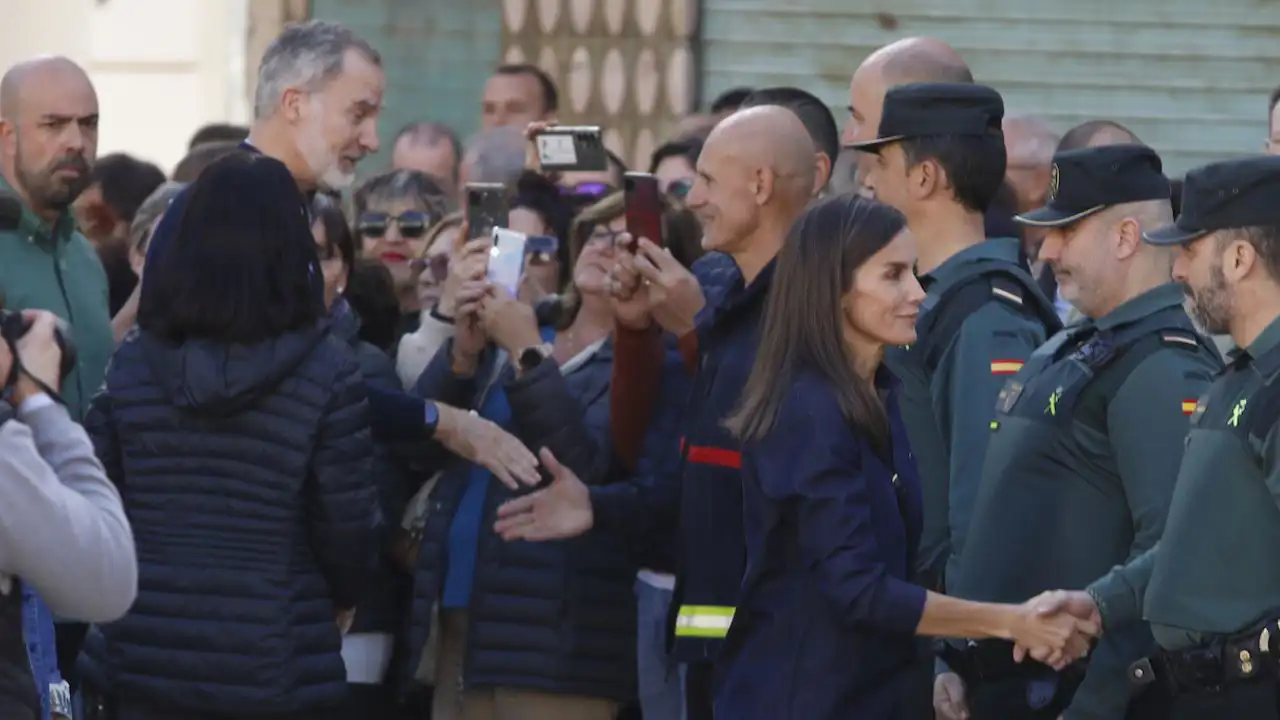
(922, 109)
(1087, 180)
(1223, 196)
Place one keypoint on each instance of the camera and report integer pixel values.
(13, 326)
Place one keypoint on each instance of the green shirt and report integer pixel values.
(54, 268)
(1216, 571)
(948, 412)
(1080, 469)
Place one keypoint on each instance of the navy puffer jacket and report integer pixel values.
(245, 473)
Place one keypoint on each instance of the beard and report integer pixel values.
(45, 187)
(1211, 305)
(325, 165)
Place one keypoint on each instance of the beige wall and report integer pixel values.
(162, 67)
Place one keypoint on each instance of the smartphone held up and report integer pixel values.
(563, 148)
(643, 203)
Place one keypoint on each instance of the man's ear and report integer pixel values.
(763, 185)
(822, 164)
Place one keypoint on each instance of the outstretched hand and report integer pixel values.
(560, 510)
(1057, 628)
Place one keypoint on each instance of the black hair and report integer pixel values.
(535, 192)
(813, 113)
(1081, 135)
(338, 240)
(730, 99)
(218, 132)
(1175, 196)
(240, 265)
(550, 95)
(125, 182)
(998, 220)
(371, 293)
(974, 164)
(688, 148)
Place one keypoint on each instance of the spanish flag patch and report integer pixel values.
(1188, 407)
(1005, 367)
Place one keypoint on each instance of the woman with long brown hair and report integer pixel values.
(826, 620)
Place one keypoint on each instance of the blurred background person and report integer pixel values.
(418, 347)
(432, 148)
(238, 426)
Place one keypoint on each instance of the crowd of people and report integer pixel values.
(920, 418)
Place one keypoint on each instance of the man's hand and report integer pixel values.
(674, 295)
(561, 510)
(1075, 603)
(484, 443)
(949, 701)
(1055, 639)
(40, 356)
(344, 618)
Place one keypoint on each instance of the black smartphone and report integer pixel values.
(486, 208)
(643, 204)
(564, 148)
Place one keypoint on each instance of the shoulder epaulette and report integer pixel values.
(1007, 290)
(1183, 339)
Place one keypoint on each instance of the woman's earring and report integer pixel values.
(341, 288)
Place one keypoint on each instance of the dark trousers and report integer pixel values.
(369, 701)
(916, 700)
(698, 694)
(99, 707)
(1254, 701)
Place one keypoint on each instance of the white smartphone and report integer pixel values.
(506, 259)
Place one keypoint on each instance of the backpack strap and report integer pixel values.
(995, 281)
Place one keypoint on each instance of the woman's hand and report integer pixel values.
(468, 261)
(468, 332)
(629, 295)
(1056, 640)
(509, 323)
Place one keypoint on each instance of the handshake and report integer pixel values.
(1056, 628)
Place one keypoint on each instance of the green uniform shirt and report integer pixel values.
(947, 412)
(1080, 469)
(1216, 571)
(54, 268)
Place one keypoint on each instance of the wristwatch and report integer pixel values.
(532, 356)
(431, 417)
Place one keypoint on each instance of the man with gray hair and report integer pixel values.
(316, 105)
(429, 147)
(495, 155)
(1029, 143)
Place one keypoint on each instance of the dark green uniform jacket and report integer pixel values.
(947, 407)
(1079, 473)
(54, 268)
(1216, 571)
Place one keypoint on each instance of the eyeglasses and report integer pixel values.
(435, 267)
(412, 224)
(680, 188)
(602, 234)
(541, 249)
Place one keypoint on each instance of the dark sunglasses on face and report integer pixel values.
(680, 188)
(541, 248)
(412, 225)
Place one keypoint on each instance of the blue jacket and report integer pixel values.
(245, 473)
(555, 617)
(825, 622)
(687, 480)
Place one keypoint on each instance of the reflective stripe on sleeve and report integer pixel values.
(703, 621)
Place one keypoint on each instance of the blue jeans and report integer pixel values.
(661, 683)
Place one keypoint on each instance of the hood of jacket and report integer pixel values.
(217, 378)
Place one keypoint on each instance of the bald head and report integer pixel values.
(920, 59)
(770, 137)
(49, 125)
(1096, 133)
(39, 72)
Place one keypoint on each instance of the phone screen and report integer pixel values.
(643, 207)
(506, 259)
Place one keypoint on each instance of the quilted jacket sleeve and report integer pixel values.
(388, 470)
(343, 510)
(545, 413)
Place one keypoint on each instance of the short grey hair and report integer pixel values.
(149, 211)
(496, 155)
(306, 56)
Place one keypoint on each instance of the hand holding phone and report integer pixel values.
(506, 259)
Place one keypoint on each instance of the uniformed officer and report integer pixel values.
(1211, 588)
(1087, 437)
(939, 159)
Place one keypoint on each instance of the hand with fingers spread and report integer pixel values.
(949, 701)
(485, 443)
(627, 292)
(559, 511)
(1066, 603)
(673, 293)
